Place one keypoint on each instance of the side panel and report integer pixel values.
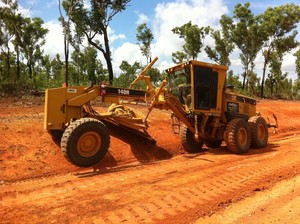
(55, 108)
(239, 106)
(63, 104)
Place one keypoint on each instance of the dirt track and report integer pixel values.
(139, 182)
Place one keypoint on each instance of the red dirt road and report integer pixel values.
(140, 182)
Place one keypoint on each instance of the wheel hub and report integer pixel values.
(89, 144)
(242, 137)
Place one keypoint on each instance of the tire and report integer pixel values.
(85, 142)
(214, 144)
(237, 136)
(188, 142)
(259, 132)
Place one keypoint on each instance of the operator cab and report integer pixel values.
(196, 84)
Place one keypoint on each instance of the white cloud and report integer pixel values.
(142, 18)
(113, 36)
(128, 52)
(54, 39)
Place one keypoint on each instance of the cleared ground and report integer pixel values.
(142, 182)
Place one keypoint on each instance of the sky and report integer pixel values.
(161, 17)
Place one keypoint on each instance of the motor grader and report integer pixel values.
(203, 111)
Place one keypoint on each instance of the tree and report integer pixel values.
(193, 37)
(277, 81)
(128, 74)
(297, 62)
(32, 41)
(232, 79)
(90, 64)
(247, 36)
(279, 25)
(223, 44)
(179, 57)
(56, 70)
(7, 21)
(66, 25)
(95, 21)
(144, 38)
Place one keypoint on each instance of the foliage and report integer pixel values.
(128, 74)
(193, 38)
(246, 35)
(223, 43)
(93, 21)
(144, 38)
(297, 62)
(179, 57)
(278, 25)
(234, 81)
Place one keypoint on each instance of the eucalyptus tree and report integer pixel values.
(32, 41)
(179, 57)
(128, 73)
(144, 38)
(7, 21)
(297, 62)
(193, 39)
(66, 25)
(223, 44)
(94, 21)
(279, 25)
(247, 36)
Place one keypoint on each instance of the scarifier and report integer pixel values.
(204, 111)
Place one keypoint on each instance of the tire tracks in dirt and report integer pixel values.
(157, 192)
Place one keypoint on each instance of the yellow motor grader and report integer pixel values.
(203, 110)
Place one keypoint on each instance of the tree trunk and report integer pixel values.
(30, 69)
(244, 80)
(108, 59)
(263, 80)
(106, 54)
(8, 61)
(18, 62)
(66, 42)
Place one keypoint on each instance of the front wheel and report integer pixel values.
(188, 141)
(85, 142)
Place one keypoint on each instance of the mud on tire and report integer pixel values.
(85, 142)
(237, 136)
(188, 142)
(259, 131)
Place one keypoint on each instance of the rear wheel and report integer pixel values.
(237, 136)
(188, 141)
(259, 132)
(85, 142)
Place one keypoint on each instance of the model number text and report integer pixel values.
(123, 91)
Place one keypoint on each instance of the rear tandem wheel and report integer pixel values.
(237, 136)
(259, 131)
(85, 142)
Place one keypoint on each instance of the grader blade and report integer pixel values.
(119, 115)
(127, 117)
